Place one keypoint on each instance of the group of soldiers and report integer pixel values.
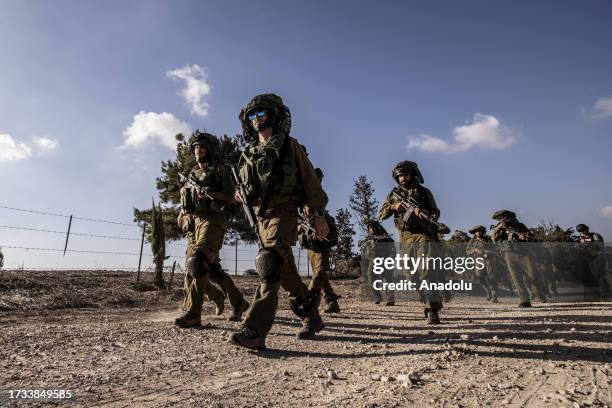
(282, 194)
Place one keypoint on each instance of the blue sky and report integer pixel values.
(503, 105)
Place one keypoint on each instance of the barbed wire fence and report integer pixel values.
(231, 256)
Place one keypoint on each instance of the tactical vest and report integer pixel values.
(269, 169)
(211, 178)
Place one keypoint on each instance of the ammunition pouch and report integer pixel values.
(197, 265)
(268, 265)
(304, 307)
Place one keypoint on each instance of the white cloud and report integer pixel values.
(196, 87)
(12, 150)
(46, 144)
(484, 131)
(606, 211)
(154, 127)
(602, 108)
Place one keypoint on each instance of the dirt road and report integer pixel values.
(482, 355)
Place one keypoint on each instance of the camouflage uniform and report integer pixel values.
(319, 252)
(210, 216)
(416, 234)
(378, 243)
(595, 253)
(518, 257)
(187, 224)
(483, 247)
(279, 179)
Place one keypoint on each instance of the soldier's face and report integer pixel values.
(200, 153)
(478, 234)
(404, 179)
(258, 119)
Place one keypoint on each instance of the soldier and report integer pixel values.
(319, 251)
(480, 246)
(278, 178)
(209, 206)
(595, 252)
(518, 257)
(416, 231)
(378, 243)
(187, 223)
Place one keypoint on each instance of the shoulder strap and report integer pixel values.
(276, 167)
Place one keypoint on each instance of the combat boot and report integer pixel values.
(390, 303)
(332, 307)
(525, 304)
(433, 317)
(238, 311)
(311, 327)
(219, 305)
(494, 299)
(248, 338)
(188, 319)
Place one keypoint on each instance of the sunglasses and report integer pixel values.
(260, 114)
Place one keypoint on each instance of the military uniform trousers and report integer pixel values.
(278, 232)
(208, 239)
(524, 276)
(424, 245)
(487, 277)
(319, 262)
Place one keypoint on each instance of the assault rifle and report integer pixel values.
(306, 224)
(520, 235)
(410, 204)
(193, 182)
(247, 208)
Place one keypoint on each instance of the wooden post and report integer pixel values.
(236, 258)
(67, 234)
(144, 228)
(171, 275)
(299, 256)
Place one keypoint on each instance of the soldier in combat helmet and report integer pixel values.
(278, 178)
(518, 256)
(418, 234)
(595, 252)
(480, 245)
(209, 206)
(319, 252)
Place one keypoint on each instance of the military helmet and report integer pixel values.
(279, 113)
(377, 226)
(407, 167)
(582, 228)
(319, 173)
(501, 214)
(478, 228)
(209, 141)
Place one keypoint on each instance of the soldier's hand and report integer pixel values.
(421, 213)
(321, 226)
(237, 197)
(397, 207)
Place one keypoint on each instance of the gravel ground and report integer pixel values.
(128, 353)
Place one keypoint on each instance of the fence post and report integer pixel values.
(236, 257)
(299, 256)
(171, 275)
(144, 228)
(67, 235)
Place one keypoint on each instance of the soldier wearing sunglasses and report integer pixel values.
(279, 178)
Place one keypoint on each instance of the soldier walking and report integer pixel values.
(480, 245)
(278, 179)
(209, 206)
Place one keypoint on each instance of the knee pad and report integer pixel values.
(303, 307)
(268, 265)
(197, 265)
(216, 271)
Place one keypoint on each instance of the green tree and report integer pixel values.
(363, 203)
(158, 244)
(342, 253)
